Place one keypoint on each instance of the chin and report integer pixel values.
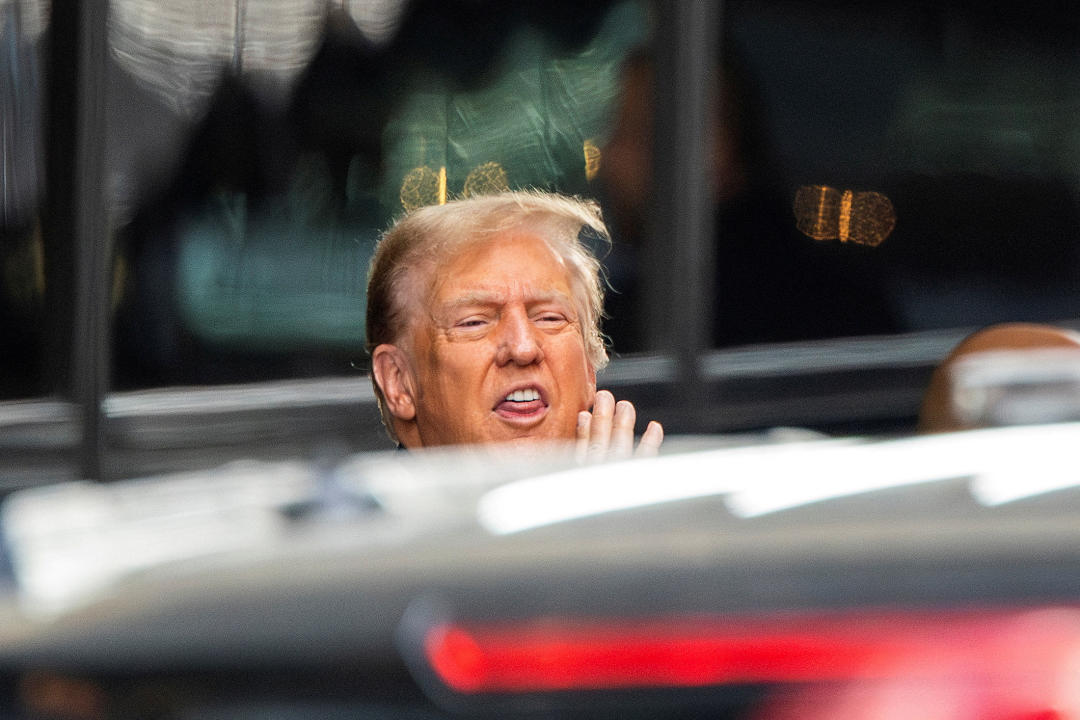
(539, 449)
(535, 436)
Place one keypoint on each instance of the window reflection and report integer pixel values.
(958, 114)
(247, 242)
(178, 50)
(22, 180)
(878, 169)
(21, 161)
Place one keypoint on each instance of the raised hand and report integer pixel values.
(607, 432)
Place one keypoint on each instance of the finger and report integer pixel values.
(581, 444)
(622, 431)
(649, 445)
(600, 429)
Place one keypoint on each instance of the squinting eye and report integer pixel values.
(551, 318)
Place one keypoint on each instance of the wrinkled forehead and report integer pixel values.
(505, 259)
(426, 273)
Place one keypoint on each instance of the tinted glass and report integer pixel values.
(23, 286)
(259, 149)
(879, 168)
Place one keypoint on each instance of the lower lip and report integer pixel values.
(521, 411)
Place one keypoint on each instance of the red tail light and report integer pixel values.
(564, 654)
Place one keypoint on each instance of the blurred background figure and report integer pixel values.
(772, 283)
(943, 409)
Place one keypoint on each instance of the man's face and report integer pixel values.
(498, 353)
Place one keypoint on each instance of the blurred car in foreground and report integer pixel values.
(770, 576)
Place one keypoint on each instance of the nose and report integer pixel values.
(519, 340)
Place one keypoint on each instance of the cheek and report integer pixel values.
(456, 367)
(574, 368)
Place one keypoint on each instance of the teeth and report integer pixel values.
(523, 395)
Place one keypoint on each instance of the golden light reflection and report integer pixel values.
(825, 213)
(592, 160)
(420, 187)
(486, 179)
(423, 186)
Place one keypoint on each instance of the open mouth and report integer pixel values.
(521, 403)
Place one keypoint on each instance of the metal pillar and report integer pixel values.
(681, 252)
(92, 236)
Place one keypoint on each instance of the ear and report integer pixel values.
(390, 366)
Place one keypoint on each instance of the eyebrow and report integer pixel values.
(492, 297)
